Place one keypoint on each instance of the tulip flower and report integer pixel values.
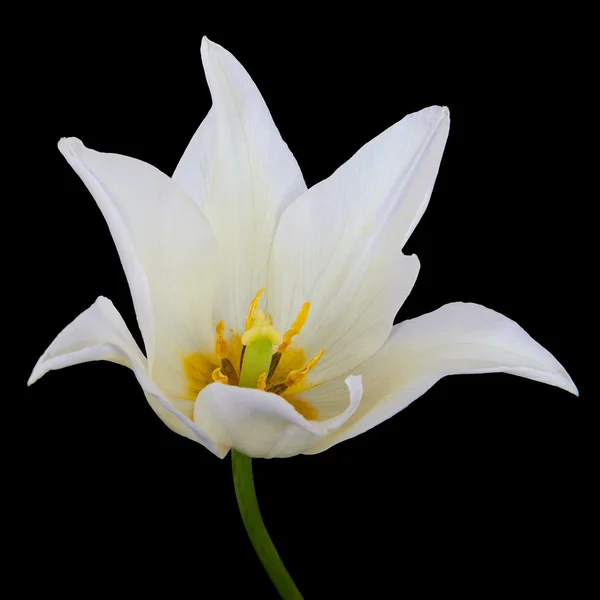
(266, 308)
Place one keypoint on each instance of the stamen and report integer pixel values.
(253, 307)
(274, 362)
(219, 377)
(242, 357)
(257, 354)
(297, 376)
(228, 369)
(221, 345)
(278, 389)
(262, 382)
(296, 327)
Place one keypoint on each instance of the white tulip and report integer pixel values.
(236, 217)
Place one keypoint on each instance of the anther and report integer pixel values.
(253, 307)
(296, 327)
(219, 377)
(299, 375)
(221, 345)
(262, 382)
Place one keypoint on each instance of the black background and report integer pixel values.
(485, 484)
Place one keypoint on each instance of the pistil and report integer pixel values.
(257, 359)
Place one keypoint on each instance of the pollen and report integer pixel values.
(221, 345)
(219, 377)
(262, 382)
(253, 307)
(296, 327)
(296, 376)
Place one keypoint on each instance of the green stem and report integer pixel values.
(257, 532)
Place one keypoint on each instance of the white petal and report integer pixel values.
(363, 322)
(99, 333)
(167, 250)
(263, 425)
(243, 176)
(339, 245)
(194, 171)
(331, 398)
(457, 338)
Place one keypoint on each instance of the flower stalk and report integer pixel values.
(261, 541)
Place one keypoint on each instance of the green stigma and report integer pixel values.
(258, 341)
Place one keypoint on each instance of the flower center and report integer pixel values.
(259, 358)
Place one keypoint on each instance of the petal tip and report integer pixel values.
(38, 371)
(69, 146)
(354, 379)
(570, 386)
(443, 115)
(208, 46)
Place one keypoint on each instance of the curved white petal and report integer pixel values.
(457, 338)
(339, 245)
(167, 250)
(243, 175)
(261, 424)
(99, 333)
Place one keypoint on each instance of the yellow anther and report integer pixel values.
(262, 382)
(297, 376)
(221, 345)
(219, 377)
(296, 327)
(253, 307)
(261, 328)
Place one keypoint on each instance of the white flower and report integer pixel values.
(236, 216)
